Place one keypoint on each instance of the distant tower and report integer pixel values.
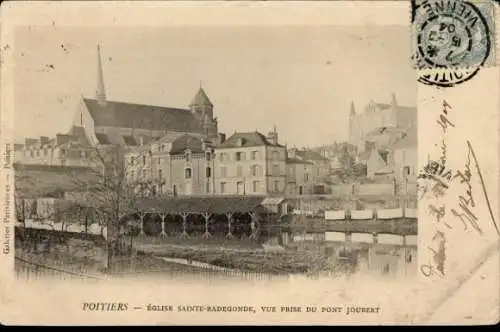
(100, 94)
(201, 105)
(353, 110)
(394, 102)
(353, 126)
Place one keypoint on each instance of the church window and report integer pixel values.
(188, 173)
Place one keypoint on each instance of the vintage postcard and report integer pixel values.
(250, 163)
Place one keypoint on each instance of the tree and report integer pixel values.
(113, 190)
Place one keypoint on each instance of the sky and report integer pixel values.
(301, 79)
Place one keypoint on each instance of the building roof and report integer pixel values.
(201, 99)
(409, 140)
(185, 142)
(247, 140)
(298, 161)
(210, 204)
(139, 116)
(309, 155)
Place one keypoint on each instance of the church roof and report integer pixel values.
(139, 116)
(201, 98)
(247, 139)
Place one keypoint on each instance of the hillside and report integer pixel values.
(40, 180)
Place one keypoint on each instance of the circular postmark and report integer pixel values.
(452, 41)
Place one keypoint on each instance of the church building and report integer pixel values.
(106, 122)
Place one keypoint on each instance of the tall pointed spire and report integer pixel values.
(100, 94)
(353, 111)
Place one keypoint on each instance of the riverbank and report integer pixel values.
(255, 260)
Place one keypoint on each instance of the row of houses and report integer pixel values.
(246, 163)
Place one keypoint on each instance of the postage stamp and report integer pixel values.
(453, 40)
(254, 163)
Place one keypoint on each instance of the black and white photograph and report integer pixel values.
(258, 168)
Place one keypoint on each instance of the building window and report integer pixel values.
(240, 187)
(188, 156)
(222, 187)
(239, 170)
(406, 170)
(159, 161)
(306, 177)
(160, 174)
(223, 171)
(276, 186)
(144, 174)
(38, 153)
(63, 153)
(255, 186)
(255, 170)
(207, 188)
(208, 171)
(240, 156)
(207, 156)
(221, 157)
(276, 155)
(143, 160)
(45, 152)
(255, 155)
(276, 170)
(188, 173)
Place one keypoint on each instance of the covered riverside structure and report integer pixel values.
(229, 216)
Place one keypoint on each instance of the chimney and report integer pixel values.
(221, 138)
(272, 137)
(292, 153)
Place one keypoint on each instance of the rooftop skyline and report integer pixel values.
(301, 80)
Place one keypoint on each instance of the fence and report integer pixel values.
(26, 269)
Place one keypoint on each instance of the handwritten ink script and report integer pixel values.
(440, 179)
